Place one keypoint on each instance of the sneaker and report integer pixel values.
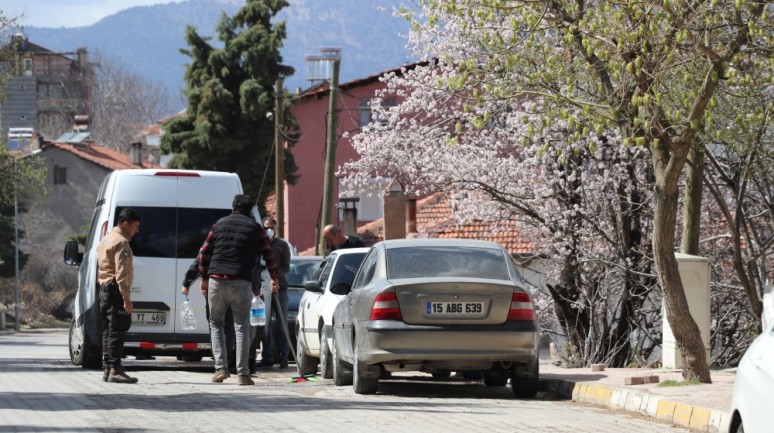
(264, 365)
(245, 380)
(283, 365)
(220, 375)
(117, 375)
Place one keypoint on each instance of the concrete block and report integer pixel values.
(653, 378)
(597, 367)
(618, 399)
(634, 381)
(633, 402)
(652, 408)
(682, 414)
(665, 410)
(700, 418)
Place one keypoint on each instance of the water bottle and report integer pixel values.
(187, 318)
(257, 312)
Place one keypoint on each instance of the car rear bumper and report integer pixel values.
(395, 342)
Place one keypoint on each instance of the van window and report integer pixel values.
(172, 232)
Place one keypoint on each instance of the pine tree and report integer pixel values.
(230, 92)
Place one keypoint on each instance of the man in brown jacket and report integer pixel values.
(116, 273)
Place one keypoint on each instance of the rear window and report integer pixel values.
(172, 232)
(465, 262)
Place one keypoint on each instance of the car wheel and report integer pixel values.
(739, 428)
(524, 385)
(362, 385)
(495, 378)
(82, 353)
(326, 368)
(304, 363)
(341, 375)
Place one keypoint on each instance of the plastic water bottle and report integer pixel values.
(257, 312)
(187, 318)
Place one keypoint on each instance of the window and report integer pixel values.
(28, 67)
(369, 268)
(369, 207)
(462, 262)
(60, 175)
(172, 232)
(366, 112)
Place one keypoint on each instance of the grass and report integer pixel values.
(668, 383)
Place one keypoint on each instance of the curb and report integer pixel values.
(683, 414)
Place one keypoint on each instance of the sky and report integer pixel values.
(75, 13)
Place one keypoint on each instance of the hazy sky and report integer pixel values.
(67, 13)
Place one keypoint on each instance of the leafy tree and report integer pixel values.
(230, 91)
(650, 70)
(583, 202)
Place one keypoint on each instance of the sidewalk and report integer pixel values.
(703, 407)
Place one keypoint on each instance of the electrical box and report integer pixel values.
(695, 275)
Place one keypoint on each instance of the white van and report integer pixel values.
(177, 208)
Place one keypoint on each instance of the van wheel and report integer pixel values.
(191, 358)
(82, 353)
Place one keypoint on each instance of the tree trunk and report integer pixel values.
(694, 175)
(668, 165)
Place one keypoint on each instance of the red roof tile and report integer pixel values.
(111, 159)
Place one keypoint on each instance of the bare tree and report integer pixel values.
(123, 102)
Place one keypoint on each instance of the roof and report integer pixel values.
(106, 157)
(435, 219)
(321, 89)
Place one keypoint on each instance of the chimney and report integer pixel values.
(394, 203)
(135, 153)
(81, 123)
(350, 214)
(411, 215)
(17, 41)
(83, 58)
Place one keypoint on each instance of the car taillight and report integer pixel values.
(521, 307)
(386, 307)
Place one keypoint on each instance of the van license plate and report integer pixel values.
(149, 318)
(462, 309)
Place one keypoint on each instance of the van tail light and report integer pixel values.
(177, 173)
(386, 307)
(103, 231)
(521, 307)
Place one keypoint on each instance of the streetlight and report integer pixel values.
(16, 229)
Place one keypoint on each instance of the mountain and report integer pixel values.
(149, 38)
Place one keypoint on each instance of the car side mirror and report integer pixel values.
(341, 288)
(313, 286)
(71, 255)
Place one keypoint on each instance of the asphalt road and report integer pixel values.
(40, 390)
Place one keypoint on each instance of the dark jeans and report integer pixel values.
(115, 322)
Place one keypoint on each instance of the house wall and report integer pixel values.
(303, 201)
(64, 212)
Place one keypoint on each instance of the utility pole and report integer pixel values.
(330, 157)
(279, 158)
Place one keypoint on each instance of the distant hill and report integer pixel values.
(149, 37)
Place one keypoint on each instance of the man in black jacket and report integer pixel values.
(226, 262)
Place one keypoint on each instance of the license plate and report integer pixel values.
(466, 309)
(149, 318)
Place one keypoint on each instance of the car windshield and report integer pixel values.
(436, 261)
(301, 271)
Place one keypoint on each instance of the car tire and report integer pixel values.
(495, 378)
(362, 385)
(342, 376)
(305, 364)
(83, 353)
(739, 428)
(525, 387)
(326, 367)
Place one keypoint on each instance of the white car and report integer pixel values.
(315, 310)
(751, 404)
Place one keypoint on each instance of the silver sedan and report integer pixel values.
(436, 306)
